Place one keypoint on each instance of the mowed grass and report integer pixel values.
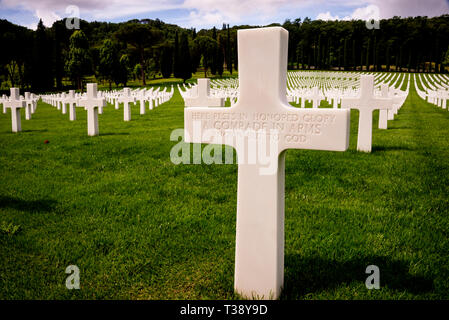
(140, 227)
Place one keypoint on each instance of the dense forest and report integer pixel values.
(57, 57)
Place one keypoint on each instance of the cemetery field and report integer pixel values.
(140, 227)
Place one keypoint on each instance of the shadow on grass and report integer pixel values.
(115, 134)
(314, 274)
(399, 128)
(391, 148)
(27, 205)
(40, 130)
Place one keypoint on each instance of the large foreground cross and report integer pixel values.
(263, 115)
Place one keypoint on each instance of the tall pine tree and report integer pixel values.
(184, 58)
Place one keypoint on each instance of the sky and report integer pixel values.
(208, 13)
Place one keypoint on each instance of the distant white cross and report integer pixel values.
(63, 103)
(203, 99)
(15, 103)
(383, 113)
(3, 100)
(126, 98)
(141, 99)
(263, 117)
(91, 102)
(316, 97)
(366, 103)
(71, 100)
(28, 105)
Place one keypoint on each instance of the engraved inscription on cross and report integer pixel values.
(263, 115)
(366, 103)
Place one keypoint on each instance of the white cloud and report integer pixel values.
(326, 16)
(202, 19)
(48, 17)
(410, 8)
(366, 13)
(384, 9)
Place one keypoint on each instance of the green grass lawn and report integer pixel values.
(140, 227)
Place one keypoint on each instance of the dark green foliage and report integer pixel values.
(140, 39)
(166, 60)
(79, 61)
(445, 61)
(109, 65)
(176, 58)
(184, 58)
(220, 55)
(208, 50)
(124, 70)
(420, 39)
(228, 50)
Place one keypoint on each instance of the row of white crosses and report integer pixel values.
(15, 102)
(94, 101)
(259, 257)
(310, 86)
(436, 89)
(62, 100)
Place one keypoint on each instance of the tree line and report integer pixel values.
(116, 53)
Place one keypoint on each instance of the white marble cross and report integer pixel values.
(261, 117)
(63, 103)
(126, 98)
(15, 103)
(366, 103)
(316, 97)
(58, 101)
(91, 102)
(203, 99)
(383, 113)
(444, 95)
(4, 99)
(141, 97)
(34, 105)
(71, 100)
(28, 105)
